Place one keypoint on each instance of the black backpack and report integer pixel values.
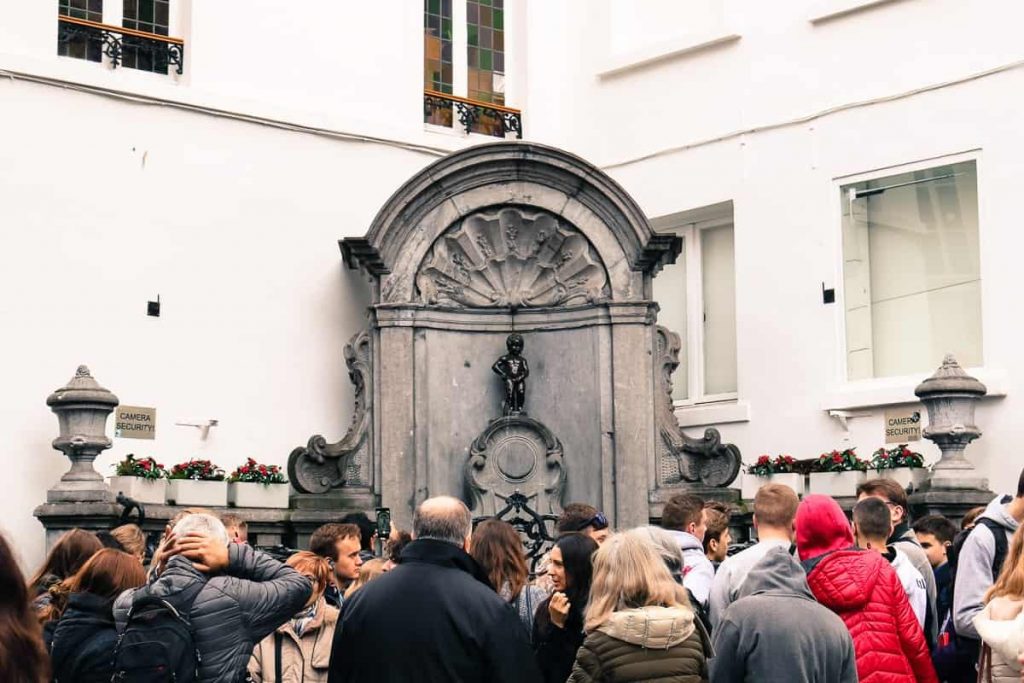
(955, 655)
(157, 644)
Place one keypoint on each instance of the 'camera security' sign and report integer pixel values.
(902, 426)
(134, 422)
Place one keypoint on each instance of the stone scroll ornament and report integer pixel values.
(319, 466)
(682, 458)
(516, 456)
(512, 258)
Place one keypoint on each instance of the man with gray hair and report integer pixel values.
(434, 617)
(234, 596)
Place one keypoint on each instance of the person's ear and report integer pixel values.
(467, 543)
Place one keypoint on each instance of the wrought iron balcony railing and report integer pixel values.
(473, 115)
(114, 41)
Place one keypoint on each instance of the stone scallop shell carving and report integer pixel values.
(512, 258)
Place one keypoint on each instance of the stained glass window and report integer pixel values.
(485, 24)
(150, 16)
(437, 57)
(81, 47)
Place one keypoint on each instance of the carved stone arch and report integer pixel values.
(495, 239)
(510, 173)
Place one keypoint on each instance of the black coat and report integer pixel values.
(556, 647)
(82, 647)
(432, 618)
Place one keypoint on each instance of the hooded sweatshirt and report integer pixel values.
(974, 567)
(653, 643)
(863, 589)
(698, 572)
(776, 631)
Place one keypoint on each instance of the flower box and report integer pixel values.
(908, 477)
(751, 483)
(836, 484)
(139, 489)
(249, 495)
(197, 492)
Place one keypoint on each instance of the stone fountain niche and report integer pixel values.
(494, 240)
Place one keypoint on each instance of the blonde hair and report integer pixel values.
(370, 570)
(132, 539)
(629, 573)
(1010, 583)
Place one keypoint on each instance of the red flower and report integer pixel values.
(763, 460)
(836, 458)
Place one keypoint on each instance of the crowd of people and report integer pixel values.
(822, 596)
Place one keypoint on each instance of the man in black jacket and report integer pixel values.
(434, 617)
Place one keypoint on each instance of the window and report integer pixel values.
(89, 30)
(911, 271)
(697, 297)
(149, 16)
(77, 44)
(465, 66)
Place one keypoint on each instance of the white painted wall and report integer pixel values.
(106, 202)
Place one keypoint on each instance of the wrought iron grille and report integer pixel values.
(112, 41)
(531, 525)
(474, 116)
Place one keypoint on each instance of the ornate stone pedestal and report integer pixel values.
(515, 454)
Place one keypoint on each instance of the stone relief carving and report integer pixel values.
(515, 454)
(682, 458)
(514, 258)
(319, 466)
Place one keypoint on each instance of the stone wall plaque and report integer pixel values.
(135, 422)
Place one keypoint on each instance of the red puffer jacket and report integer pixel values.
(863, 589)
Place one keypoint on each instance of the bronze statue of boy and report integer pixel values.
(513, 370)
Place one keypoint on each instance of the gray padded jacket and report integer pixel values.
(234, 610)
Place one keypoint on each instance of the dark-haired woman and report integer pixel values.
(498, 550)
(81, 634)
(22, 655)
(558, 626)
(65, 558)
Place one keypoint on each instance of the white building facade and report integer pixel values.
(843, 175)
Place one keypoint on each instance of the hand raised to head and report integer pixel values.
(207, 554)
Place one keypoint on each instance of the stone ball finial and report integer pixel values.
(82, 388)
(950, 378)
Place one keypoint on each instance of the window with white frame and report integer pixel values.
(464, 67)
(911, 271)
(131, 33)
(697, 298)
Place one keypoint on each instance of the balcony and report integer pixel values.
(122, 46)
(485, 118)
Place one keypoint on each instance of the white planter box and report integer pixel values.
(152, 491)
(906, 476)
(836, 484)
(197, 493)
(752, 483)
(245, 494)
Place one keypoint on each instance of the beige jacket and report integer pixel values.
(303, 660)
(1006, 639)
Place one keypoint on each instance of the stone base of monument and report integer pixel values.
(657, 498)
(267, 526)
(951, 503)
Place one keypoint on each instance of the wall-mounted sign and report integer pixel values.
(903, 425)
(134, 422)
